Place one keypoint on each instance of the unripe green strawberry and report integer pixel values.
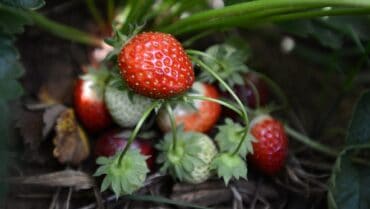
(126, 110)
(190, 161)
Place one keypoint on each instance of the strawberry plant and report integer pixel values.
(169, 69)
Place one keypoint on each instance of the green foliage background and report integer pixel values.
(11, 23)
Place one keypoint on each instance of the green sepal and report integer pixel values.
(227, 60)
(124, 177)
(99, 77)
(229, 136)
(229, 166)
(119, 40)
(194, 152)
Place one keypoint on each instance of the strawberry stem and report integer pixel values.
(173, 126)
(221, 102)
(227, 87)
(110, 11)
(96, 14)
(137, 129)
(277, 90)
(62, 31)
(311, 143)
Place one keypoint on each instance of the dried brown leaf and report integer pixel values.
(205, 197)
(66, 178)
(50, 117)
(71, 142)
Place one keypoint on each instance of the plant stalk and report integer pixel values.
(137, 129)
(63, 31)
(221, 102)
(173, 126)
(320, 147)
(227, 87)
(311, 143)
(95, 13)
(249, 12)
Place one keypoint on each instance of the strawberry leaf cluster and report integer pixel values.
(228, 61)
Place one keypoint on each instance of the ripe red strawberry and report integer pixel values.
(271, 145)
(113, 141)
(247, 93)
(201, 119)
(89, 101)
(155, 65)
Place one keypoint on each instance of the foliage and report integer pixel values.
(11, 23)
(350, 181)
(332, 34)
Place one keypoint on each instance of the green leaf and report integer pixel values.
(228, 61)
(331, 32)
(359, 129)
(349, 185)
(4, 133)
(231, 2)
(26, 4)
(12, 20)
(10, 69)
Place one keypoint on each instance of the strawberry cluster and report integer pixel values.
(152, 73)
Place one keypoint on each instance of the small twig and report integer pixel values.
(55, 199)
(256, 194)
(237, 200)
(316, 165)
(264, 201)
(99, 200)
(69, 197)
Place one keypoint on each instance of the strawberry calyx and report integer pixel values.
(125, 172)
(229, 166)
(119, 39)
(123, 176)
(229, 136)
(98, 77)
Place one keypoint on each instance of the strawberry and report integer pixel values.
(190, 161)
(89, 101)
(125, 109)
(109, 143)
(253, 85)
(201, 118)
(155, 65)
(271, 144)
